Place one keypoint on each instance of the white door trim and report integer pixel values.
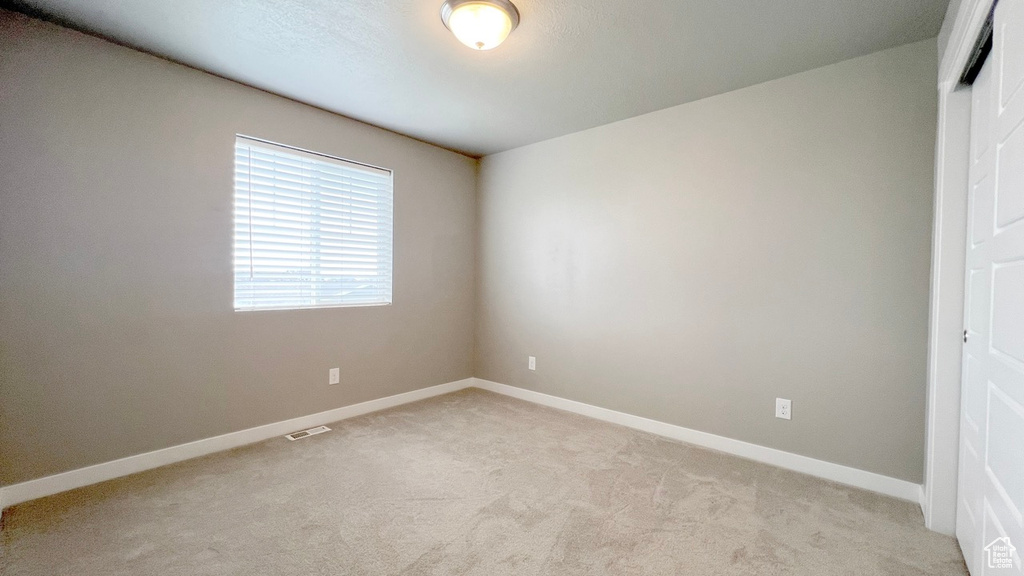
(947, 276)
(969, 20)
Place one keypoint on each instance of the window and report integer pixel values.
(311, 231)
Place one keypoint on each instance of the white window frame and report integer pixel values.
(303, 206)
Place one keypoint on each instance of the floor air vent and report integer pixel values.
(305, 433)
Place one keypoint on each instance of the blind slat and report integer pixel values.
(297, 233)
(300, 206)
(304, 189)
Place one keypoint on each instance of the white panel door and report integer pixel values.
(991, 485)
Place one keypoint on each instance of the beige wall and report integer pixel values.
(947, 26)
(693, 264)
(117, 334)
(688, 265)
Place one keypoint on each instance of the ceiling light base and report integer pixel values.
(480, 24)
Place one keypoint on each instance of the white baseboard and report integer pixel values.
(46, 486)
(49, 485)
(835, 472)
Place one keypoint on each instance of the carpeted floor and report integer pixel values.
(471, 483)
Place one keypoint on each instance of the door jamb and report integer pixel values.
(949, 236)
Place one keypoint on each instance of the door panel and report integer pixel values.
(1009, 206)
(1003, 465)
(991, 486)
(970, 495)
(1010, 48)
(1008, 311)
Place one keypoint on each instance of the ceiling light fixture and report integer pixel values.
(480, 24)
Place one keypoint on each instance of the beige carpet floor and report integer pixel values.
(471, 483)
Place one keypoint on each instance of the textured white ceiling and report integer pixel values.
(571, 64)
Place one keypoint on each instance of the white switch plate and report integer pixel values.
(783, 409)
(335, 376)
(533, 363)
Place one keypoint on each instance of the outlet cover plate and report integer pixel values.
(783, 409)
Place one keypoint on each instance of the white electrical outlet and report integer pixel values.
(334, 376)
(533, 363)
(783, 409)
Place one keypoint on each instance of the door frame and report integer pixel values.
(949, 252)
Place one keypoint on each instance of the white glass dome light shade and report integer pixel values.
(480, 24)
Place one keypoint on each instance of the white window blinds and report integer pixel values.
(311, 231)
